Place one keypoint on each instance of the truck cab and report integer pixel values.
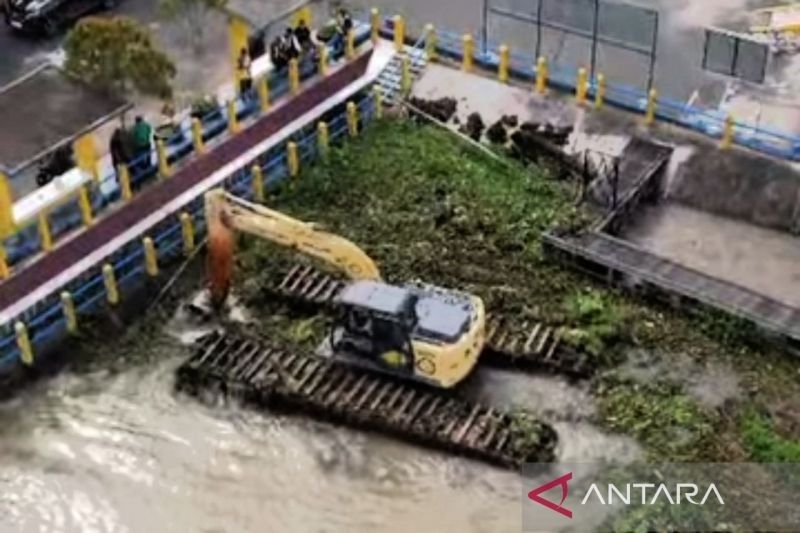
(46, 17)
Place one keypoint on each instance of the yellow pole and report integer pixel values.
(375, 24)
(378, 101)
(469, 50)
(323, 139)
(542, 73)
(652, 102)
(150, 257)
(600, 93)
(110, 280)
(399, 32)
(727, 133)
(124, 176)
(405, 80)
(163, 163)
(294, 76)
(505, 62)
(263, 93)
(352, 119)
(582, 86)
(257, 175)
(350, 44)
(86, 206)
(197, 136)
(45, 235)
(292, 158)
(187, 229)
(322, 52)
(24, 343)
(5, 270)
(430, 42)
(233, 121)
(7, 226)
(86, 156)
(70, 316)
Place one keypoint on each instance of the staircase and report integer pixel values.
(390, 80)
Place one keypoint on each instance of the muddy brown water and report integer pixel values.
(115, 448)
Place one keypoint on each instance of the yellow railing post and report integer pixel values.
(263, 93)
(233, 121)
(542, 73)
(405, 76)
(322, 52)
(503, 65)
(70, 316)
(352, 119)
(727, 133)
(197, 136)
(399, 32)
(582, 86)
(600, 92)
(375, 24)
(150, 257)
(350, 44)
(5, 270)
(294, 75)
(652, 102)
(257, 175)
(110, 281)
(323, 139)
(124, 176)
(187, 230)
(377, 96)
(24, 343)
(292, 158)
(468, 51)
(164, 169)
(45, 235)
(430, 42)
(7, 226)
(86, 206)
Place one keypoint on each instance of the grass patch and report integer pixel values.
(763, 443)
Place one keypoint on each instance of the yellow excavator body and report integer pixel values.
(442, 332)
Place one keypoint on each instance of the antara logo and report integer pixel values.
(563, 481)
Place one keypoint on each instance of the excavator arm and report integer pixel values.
(225, 212)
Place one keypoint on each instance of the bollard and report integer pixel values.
(399, 32)
(323, 139)
(503, 65)
(294, 75)
(469, 50)
(257, 175)
(352, 119)
(164, 170)
(124, 176)
(292, 159)
(375, 24)
(430, 42)
(70, 316)
(582, 86)
(7, 225)
(377, 96)
(233, 120)
(110, 281)
(5, 270)
(350, 44)
(24, 343)
(197, 136)
(727, 133)
(45, 235)
(405, 76)
(150, 257)
(542, 73)
(322, 52)
(600, 93)
(652, 102)
(86, 206)
(263, 93)
(187, 229)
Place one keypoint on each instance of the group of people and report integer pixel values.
(132, 147)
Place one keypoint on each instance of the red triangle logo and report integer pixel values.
(563, 482)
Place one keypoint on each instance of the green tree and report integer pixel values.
(192, 15)
(117, 55)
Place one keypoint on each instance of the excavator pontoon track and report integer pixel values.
(333, 391)
(530, 347)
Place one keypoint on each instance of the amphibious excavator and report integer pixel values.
(415, 331)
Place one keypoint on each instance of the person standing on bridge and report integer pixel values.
(245, 65)
(142, 143)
